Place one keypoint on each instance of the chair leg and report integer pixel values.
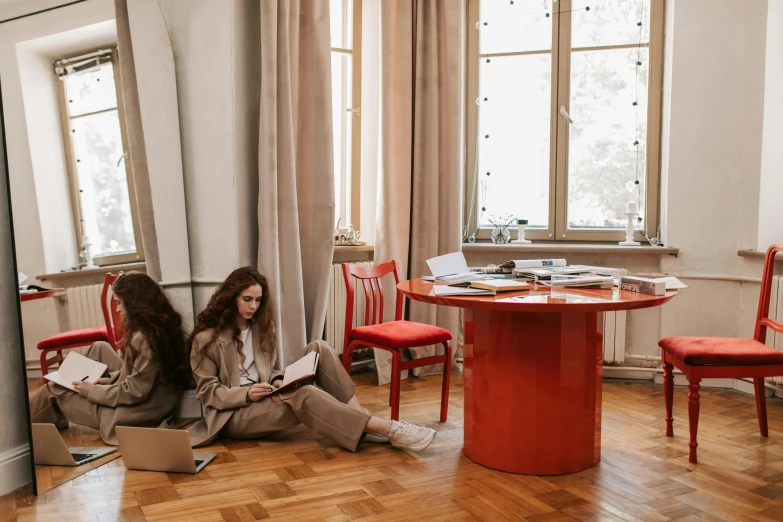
(668, 396)
(394, 392)
(761, 405)
(693, 418)
(44, 366)
(444, 394)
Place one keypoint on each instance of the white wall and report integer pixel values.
(712, 160)
(770, 227)
(218, 86)
(204, 86)
(161, 126)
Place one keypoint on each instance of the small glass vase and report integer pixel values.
(500, 236)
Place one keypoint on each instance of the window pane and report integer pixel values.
(602, 157)
(342, 98)
(522, 26)
(609, 22)
(105, 203)
(516, 117)
(341, 23)
(91, 91)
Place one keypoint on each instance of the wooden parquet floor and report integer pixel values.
(299, 476)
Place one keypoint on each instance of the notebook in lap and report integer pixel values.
(153, 449)
(298, 371)
(49, 449)
(76, 367)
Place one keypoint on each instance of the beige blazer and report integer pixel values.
(137, 395)
(216, 371)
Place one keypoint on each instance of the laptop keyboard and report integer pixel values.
(198, 462)
(78, 457)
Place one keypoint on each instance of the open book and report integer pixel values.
(485, 287)
(76, 367)
(300, 370)
(451, 268)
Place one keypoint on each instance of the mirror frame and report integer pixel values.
(17, 295)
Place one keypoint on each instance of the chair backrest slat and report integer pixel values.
(366, 303)
(371, 283)
(111, 317)
(763, 321)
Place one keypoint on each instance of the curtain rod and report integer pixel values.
(41, 11)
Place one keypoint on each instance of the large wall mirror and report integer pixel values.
(73, 214)
(75, 221)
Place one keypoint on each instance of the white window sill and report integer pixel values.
(93, 275)
(349, 253)
(552, 248)
(758, 254)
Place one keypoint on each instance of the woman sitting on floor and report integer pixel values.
(143, 387)
(232, 354)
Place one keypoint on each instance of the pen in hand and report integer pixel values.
(84, 378)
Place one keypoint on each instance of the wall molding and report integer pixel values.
(15, 468)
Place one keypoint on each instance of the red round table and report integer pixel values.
(533, 364)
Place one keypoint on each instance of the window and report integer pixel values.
(533, 67)
(103, 196)
(346, 35)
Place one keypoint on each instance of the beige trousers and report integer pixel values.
(322, 409)
(45, 407)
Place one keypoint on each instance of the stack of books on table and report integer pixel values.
(591, 281)
(543, 274)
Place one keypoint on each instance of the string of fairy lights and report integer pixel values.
(633, 185)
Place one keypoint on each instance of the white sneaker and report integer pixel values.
(375, 437)
(409, 436)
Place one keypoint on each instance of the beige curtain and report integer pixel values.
(422, 148)
(296, 178)
(138, 154)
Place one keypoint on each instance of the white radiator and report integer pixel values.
(83, 307)
(614, 338)
(335, 310)
(775, 340)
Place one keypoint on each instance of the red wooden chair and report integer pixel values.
(393, 336)
(714, 357)
(110, 332)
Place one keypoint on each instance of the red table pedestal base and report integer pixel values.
(533, 391)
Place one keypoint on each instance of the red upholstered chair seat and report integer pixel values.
(720, 351)
(83, 337)
(400, 334)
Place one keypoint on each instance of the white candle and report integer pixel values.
(632, 207)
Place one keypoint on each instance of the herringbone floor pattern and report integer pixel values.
(298, 476)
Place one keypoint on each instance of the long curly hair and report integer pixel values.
(149, 312)
(221, 312)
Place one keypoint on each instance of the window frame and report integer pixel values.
(73, 178)
(557, 229)
(356, 122)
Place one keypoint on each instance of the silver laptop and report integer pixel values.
(153, 449)
(49, 449)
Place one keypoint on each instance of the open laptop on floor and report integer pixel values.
(49, 448)
(153, 449)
